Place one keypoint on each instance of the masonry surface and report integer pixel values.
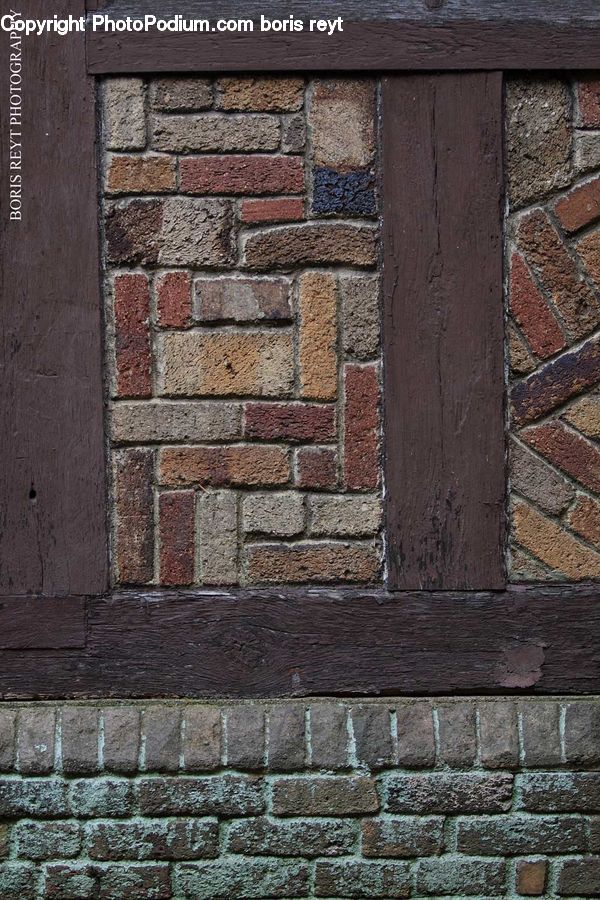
(240, 224)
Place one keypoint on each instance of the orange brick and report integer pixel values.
(318, 336)
(141, 175)
(584, 518)
(554, 546)
(319, 563)
(260, 94)
(241, 464)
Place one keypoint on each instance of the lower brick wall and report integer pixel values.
(379, 798)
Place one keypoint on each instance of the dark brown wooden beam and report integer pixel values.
(295, 643)
(52, 485)
(443, 330)
(44, 623)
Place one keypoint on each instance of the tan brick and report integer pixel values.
(323, 243)
(240, 464)
(344, 516)
(342, 119)
(360, 304)
(584, 415)
(140, 175)
(584, 518)
(217, 529)
(256, 364)
(318, 336)
(261, 93)
(196, 232)
(587, 151)
(242, 299)
(124, 119)
(521, 360)
(537, 481)
(553, 545)
(181, 93)
(280, 514)
(215, 133)
(308, 562)
(164, 421)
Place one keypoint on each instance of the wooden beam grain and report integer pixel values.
(443, 330)
(42, 623)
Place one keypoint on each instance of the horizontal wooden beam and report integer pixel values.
(361, 46)
(31, 623)
(306, 642)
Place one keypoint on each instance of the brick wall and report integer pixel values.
(553, 246)
(492, 798)
(243, 329)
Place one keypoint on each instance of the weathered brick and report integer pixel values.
(521, 360)
(153, 839)
(498, 735)
(132, 230)
(582, 733)
(360, 317)
(280, 513)
(317, 468)
(289, 421)
(126, 882)
(47, 840)
(241, 878)
(67, 881)
(584, 519)
(174, 299)
(260, 93)
(589, 101)
(124, 117)
(509, 835)
(33, 797)
(553, 545)
(537, 481)
(324, 796)
(558, 274)
(539, 137)
(133, 359)
(557, 382)
(342, 121)
(587, 152)
(165, 421)
(280, 209)
(559, 792)
(176, 537)
(286, 749)
(35, 740)
(373, 745)
(242, 175)
(580, 207)
(457, 734)
(354, 878)
(8, 719)
(196, 232)
(215, 133)
(322, 243)
(227, 795)
(121, 739)
(242, 299)
(318, 336)
(440, 877)
(588, 249)
(18, 881)
(456, 793)
(178, 93)
(134, 538)
(307, 562)
(79, 740)
(344, 193)
(416, 739)
(102, 797)
(531, 311)
(293, 134)
(568, 451)
(344, 516)
(258, 837)
(201, 738)
(245, 736)
(259, 364)
(531, 875)
(153, 174)
(161, 730)
(525, 567)
(579, 877)
(361, 427)
(403, 837)
(217, 536)
(329, 739)
(584, 414)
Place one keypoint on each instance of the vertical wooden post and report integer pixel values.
(443, 330)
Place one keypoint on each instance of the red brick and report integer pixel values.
(174, 299)
(580, 207)
(568, 451)
(589, 102)
(176, 517)
(242, 175)
(361, 425)
(316, 467)
(547, 255)
(290, 421)
(222, 466)
(532, 313)
(284, 209)
(132, 336)
(134, 540)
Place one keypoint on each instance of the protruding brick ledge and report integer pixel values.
(361, 798)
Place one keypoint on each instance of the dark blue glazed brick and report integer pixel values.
(352, 193)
